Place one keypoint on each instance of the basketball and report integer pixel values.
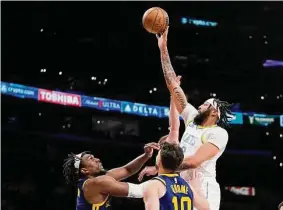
(155, 20)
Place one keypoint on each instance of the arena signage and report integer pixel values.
(69, 99)
(55, 97)
(261, 119)
(198, 22)
(141, 109)
(19, 91)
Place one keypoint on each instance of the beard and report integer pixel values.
(201, 117)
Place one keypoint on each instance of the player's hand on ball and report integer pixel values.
(148, 171)
(162, 39)
(148, 148)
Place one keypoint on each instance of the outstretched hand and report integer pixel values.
(148, 148)
(148, 171)
(196, 180)
(162, 39)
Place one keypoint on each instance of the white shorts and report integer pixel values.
(211, 190)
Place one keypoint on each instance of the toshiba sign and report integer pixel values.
(55, 97)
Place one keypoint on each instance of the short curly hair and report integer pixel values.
(71, 173)
(171, 156)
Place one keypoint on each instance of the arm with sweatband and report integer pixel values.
(108, 185)
(135, 190)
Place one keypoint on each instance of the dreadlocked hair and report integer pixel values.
(71, 173)
(226, 114)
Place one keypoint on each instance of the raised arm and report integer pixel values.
(186, 110)
(174, 123)
(109, 186)
(135, 165)
(169, 74)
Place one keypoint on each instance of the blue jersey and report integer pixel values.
(83, 204)
(178, 196)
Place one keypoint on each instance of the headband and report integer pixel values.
(78, 160)
(214, 104)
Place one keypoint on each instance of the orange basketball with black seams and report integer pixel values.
(155, 20)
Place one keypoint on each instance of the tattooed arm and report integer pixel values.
(187, 111)
(170, 78)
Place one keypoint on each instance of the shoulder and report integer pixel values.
(218, 131)
(221, 131)
(153, 186)
(217, 136)
(98, 181)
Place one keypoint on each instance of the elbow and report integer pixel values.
(195, 163)
(192, 162)
(130, 171)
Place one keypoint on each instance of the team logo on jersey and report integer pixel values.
(190, 139)
(191, 125)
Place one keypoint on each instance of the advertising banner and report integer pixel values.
(56, 97)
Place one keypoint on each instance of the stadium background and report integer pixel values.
(89, 42)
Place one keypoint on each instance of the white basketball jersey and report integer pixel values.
(194, 136)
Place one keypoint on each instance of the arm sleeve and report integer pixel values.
(136, 190)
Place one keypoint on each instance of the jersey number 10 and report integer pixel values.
(184, 201)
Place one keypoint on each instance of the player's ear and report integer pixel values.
(84, 171)
(214, 112)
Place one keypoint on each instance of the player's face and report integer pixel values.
(204, 107)
(204, 111)
(91, 165)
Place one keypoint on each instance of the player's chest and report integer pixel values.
(192, 139)
(192, 136)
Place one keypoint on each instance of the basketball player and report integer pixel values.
(168, 191)
(95, 184)
(204, 139)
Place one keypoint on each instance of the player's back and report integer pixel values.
(178, 195)
(83, 204)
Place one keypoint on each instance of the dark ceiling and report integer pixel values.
(106, 40)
